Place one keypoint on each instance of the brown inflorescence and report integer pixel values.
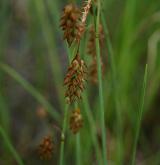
(70, 22)
(75, 79)
(76, 121)
(92, 52)
(91, 47)
(45, 148)
(93, 71)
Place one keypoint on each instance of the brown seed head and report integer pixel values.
(70, 22)
(93, 71)
(76, 121)
(92, 51)
(74, 80)
(45, 148)
(92, 40)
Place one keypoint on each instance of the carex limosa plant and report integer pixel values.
(73, 24)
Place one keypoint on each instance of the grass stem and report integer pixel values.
(102, 114)
(63, 136)
(78, 150)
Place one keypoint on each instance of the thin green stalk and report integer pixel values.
(78, 147)
(63, 136)
(30, 89)
(140, 113)
(78, 150)
(92, 128)
(102, 114)
(115, 90)
(10, 146)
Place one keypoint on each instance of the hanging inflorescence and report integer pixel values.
(73, 23)
(74, 80)
(91, 50)
(76, 121)
(70, 21)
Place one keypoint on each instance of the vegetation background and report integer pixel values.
(33, 63)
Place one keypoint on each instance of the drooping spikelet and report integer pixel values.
(70, 22)
(74, 80)
(92, 52)
(93, 74)
(76, 121)
(92, 40)
(45, 148)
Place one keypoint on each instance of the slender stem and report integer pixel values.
(30, 89)
(102, 115)
(78, 147)
(63, 136)
(115, 90)
(78, 150)
(10, 146)
(140, 113)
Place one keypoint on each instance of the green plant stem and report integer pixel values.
(10, 146)
(115, 90)
(63, 136)
(102, 114)
(140, 113)
(30, 89)
(78, 149)
(92, 128)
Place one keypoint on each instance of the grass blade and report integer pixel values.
(115, 90)
(140, 113)
(30, 89)
(10, 147)
(101, 101)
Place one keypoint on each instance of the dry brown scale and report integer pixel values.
(75, 79)
(45, 149)
(76, 121)
(69, 22)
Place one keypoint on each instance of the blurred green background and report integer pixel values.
(33, 63)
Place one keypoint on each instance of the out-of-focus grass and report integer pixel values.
(134, 33)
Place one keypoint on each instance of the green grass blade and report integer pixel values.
(10, 146)
(30, 89)
(78, 150)
(101, 101)
(115, 90)
(92, 125)
(52, 48)
(140, 113)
